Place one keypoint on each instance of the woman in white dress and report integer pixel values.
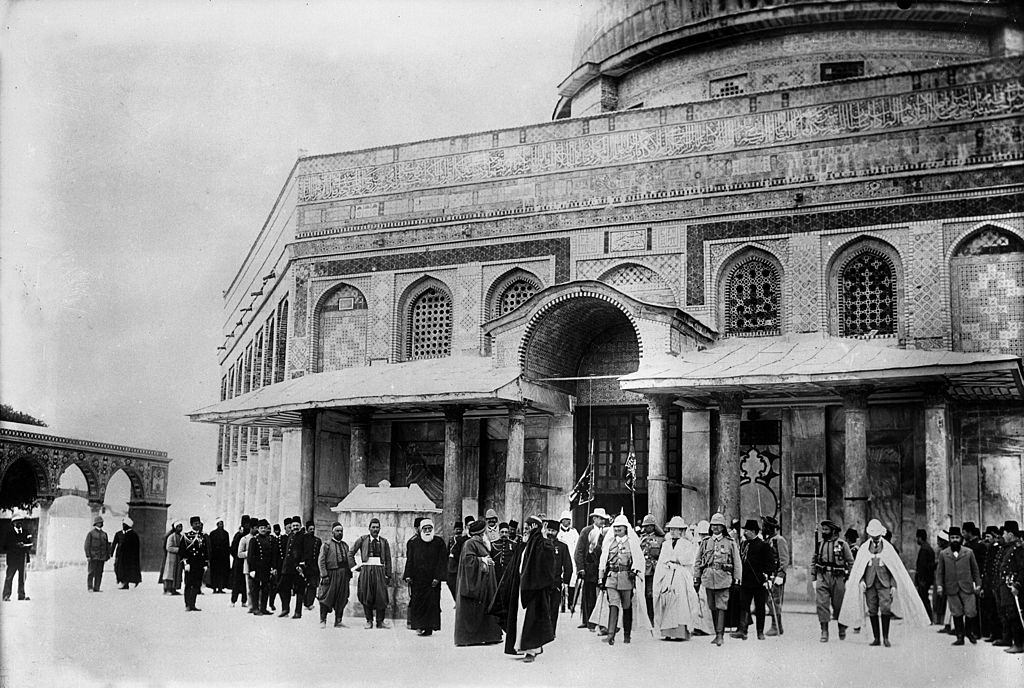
(676, 603)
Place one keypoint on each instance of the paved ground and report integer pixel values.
(68, 637)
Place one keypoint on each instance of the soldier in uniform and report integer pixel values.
(502, 550)
(588, 556)
(308, 567)
(770, 531)
(650, 542)
(1011, 579)
(264, 559)
(973, 541)
(291, 555)
(989, 582)
(455, 544)
(830, 567)
(718, 568)
(959, 578)
(194, 551)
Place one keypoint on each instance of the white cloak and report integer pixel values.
(906, 603)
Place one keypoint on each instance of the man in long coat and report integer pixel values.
(571, 537)
(758, 568)
(238, 577)
(335, 573)
(220, 557)
(426, 565)
(126, 549)
(677, 609)
(19, 546)
(371, 557)
(563, 561)
(958, 576)
(264, 560)
(1011, 581)
(523, 601)
(97, 551)
(475, 590)
(588, 556)
(170, 572)
(454, 556)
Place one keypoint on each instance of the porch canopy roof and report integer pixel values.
(420, 386)
(808, 368)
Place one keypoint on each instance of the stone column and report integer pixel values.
(359, 449)
(561, 463)
(307, 466)
(254, 469)
(855, 489)
(452, 506)
(150, 522)
(938, 511)
(42, 530)
(262, 472)
(658, 407)
(273, 503)
(727, 461)
(695, 465)
(225, 477)
(514, 463)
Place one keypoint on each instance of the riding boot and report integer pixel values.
(613, 624)
(719, 626)
(958, 625)
(885, 630)
(874, 631)
(973, 629)
(323, 616)
(627, 624)
(824, 632)
(842, 632)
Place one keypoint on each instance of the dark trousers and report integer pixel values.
(261, 592)
(939, 605)
(193, 582)
(759, 596)
(649, 594)
(922, 592)
(284, 591)
(370, 612)
(95, 575)
(254, 593)
(589, 600)
(239, 583)
(989, 612)
(15, 568)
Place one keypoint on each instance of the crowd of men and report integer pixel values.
(675, 583)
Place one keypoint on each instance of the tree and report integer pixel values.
(8, 414)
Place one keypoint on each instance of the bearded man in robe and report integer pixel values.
(425, 567)
(475, 589)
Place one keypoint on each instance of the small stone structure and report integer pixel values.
(397, 508)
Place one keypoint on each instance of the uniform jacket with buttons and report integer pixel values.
(718, 563)
(97, 546)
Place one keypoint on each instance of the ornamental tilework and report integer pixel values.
(381, 304)
(928, 284)
(806, 304)
(664, 272)
(467, 308)
(721, 253)
(955, 232)
(988, 312)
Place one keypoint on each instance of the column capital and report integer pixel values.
(517, 409)
(658, 405)
(855, 397)
(729, 402)
(454, 413)
(936, 396)
(360, 415)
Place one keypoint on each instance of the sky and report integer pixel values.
(142, 145)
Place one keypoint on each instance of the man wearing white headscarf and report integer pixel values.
(426, 565)
(885, 588)
(676, 604)
(170, 572)
(621, 577)
(571, 537)
(126, 552)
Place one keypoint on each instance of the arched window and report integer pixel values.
(752, 298)
(429, 324)
(991, 241)
(340, 324)
(511, 291)
(867, 295)
(640, 282)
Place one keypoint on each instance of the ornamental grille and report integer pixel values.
(515, 295)
(991, 240)
(430, 325)
(752, 299)
(867, 296)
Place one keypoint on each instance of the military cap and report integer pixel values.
(828, 523)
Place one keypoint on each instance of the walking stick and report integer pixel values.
(576, 597)
(1016, 601)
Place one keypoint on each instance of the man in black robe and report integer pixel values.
(126, 550)
(220, 558)
(476, 587)
(523, 600)
(563, 562)
(239, 586)
(454, 554)
(426, 565)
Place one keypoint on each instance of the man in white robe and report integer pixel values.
(571, 537)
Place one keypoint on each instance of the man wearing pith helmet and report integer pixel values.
(718, 568)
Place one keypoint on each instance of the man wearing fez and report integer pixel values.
(19, 546)
(990, 585)
(335, 573)
(588, 558)
(758, 568)
(523, 600)
(1011, 583)
(718, 568)
(958, 577)
(264, 560)
(291, 580)
(371, 557)
(238, 577)
(126, 550)
(779, 545)
(475, 590)
(194, 550)
(97, 551)
(220, 557)
(973, 541)
(830, 568)
(426, 565)
(308, 567)
(887, 588)
(563, 561)
(501, 549)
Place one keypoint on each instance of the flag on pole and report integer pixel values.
(629, 469)
(583, 492)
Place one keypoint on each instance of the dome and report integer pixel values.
(617, 38)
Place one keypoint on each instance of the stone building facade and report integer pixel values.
(774, 249)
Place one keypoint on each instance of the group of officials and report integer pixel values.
(678, 582)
